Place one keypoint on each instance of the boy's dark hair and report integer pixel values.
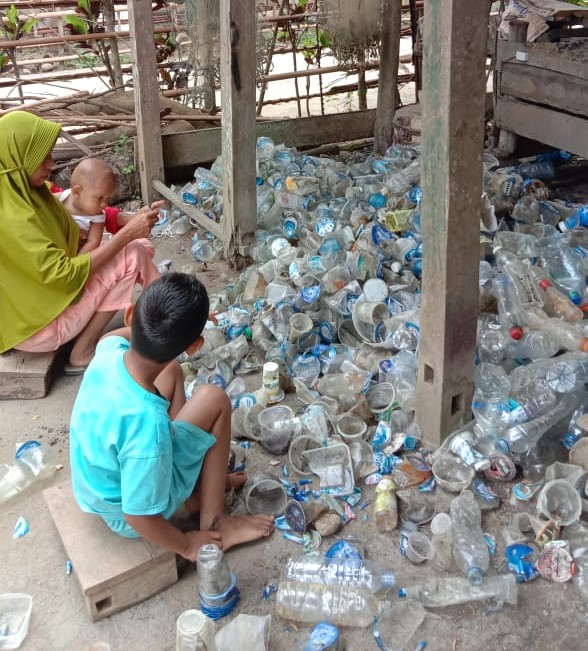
(169, 316)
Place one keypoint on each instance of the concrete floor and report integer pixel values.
(548, 617)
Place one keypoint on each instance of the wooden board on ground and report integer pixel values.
(24, 376)
(114, 572)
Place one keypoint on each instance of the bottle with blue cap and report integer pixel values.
(469, 547)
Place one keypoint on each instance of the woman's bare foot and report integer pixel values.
(238, 529)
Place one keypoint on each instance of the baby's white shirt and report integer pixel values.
(83, 221)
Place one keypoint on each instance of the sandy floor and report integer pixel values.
(548, 616)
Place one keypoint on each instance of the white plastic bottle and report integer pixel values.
(469, 546)
(312, 603)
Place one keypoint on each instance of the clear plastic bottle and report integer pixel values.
(525, 287)
(438, 592)
(562, 305)
(194, 632)
(564, 265)
(442, 538)
(531, 402)
(348, 572)
(469, 546)
(568, 375)
(510, 311)
(522, 438)
(386, 506)
(233, 352)
(340, 605)
(490, 401)
(568, 335)
(28, 468)
(535, 344)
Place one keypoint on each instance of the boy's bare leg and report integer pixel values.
(210, 409)
(170, 383)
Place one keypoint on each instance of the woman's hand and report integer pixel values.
(142, 222)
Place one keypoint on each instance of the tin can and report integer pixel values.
(555, 562)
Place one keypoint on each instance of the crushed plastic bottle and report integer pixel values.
(469, 547)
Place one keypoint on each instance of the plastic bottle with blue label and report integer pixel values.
(565, 266)
(522, 438)
(542, 170)
(531, 402)
(578, 427)
(470, 550)
(578, 219)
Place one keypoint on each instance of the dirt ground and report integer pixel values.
(548, 616)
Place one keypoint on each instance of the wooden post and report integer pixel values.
(388, 75)
(455, 39)
(146, 91)
(237, 63)
(113, 55)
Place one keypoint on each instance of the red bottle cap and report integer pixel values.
(584, 345)
(516, 333)
(544, 284)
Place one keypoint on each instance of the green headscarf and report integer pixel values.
(40, 271)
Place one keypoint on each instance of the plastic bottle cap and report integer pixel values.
(516, 333)
(502, 446)
(402, 592)
(544, 284)
(575, 298)
(475, 575)
(584, 345)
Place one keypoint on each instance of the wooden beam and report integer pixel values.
(540, 86)
(192, 212)
(388, 75)
(146, 92)
(237, 67)
(453, 130)
(550, 126)
(190, 148)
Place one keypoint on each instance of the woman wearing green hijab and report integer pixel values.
(48, 293)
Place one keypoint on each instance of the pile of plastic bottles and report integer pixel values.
(333, 300)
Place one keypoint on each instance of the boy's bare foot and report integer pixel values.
(195, 540)
(238, 529)
(235, 480)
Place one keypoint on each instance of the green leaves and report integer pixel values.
(28, 25)
(78, 23)
(12, 18)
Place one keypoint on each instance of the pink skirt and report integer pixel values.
(107, 290)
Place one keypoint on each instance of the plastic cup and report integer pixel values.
(300, 324)
(193, 629)
(350, 428)
(441, 524)
(299, 445)
(265, 494)
(372, 313)
(560, 502)
(277, 427)
(419, 548)
(16, 614)
(381, 399)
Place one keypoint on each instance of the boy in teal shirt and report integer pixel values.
(138, 449)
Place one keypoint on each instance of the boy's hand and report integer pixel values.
(195, 540)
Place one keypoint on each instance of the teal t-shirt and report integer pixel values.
(120, 440)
